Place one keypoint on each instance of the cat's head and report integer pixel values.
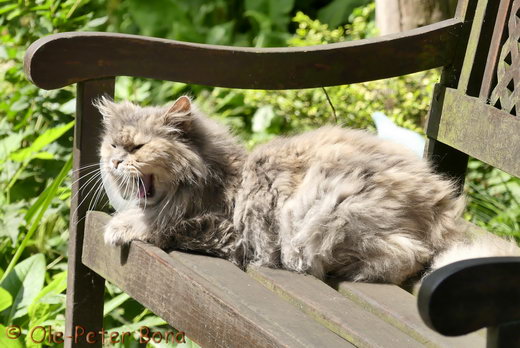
(146, 151)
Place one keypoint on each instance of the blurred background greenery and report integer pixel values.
(36, 126)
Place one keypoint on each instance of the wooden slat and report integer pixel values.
(446, 159)
(478, 129)
(478, 47)
(398, 308)
(340, 314)
(85, 288)
(489, 79)
(213, 301)
(62, 59)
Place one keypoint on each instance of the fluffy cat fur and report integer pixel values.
(330, 202)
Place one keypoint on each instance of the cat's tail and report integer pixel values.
(481, 244)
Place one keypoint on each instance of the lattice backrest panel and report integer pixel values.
(506, 93)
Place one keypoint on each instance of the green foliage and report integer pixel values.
(260, 23)
(259, 115)
(35, 161)
(36, 134)
(494, 199)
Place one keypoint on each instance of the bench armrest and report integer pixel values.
(468, 295)
(63, 59)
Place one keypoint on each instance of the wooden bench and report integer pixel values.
(214, 302)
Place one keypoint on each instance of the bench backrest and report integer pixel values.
(474, 108)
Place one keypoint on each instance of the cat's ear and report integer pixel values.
(179, 114)
(106, 106)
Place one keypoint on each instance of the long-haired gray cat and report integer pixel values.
(331, 202)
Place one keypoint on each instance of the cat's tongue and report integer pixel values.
(145, 185)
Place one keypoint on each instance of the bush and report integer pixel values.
(258, 115)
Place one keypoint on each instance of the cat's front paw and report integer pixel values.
(120, 231)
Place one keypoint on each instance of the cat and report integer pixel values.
(332, 202)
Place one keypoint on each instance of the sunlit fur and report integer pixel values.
(333, 201)
(195, 165)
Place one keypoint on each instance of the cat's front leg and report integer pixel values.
(127, 226)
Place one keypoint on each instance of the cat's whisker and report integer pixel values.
(164, 206)
(98, 194)
(87, 195)
(85, 167)
(124, 190)
(84, 176)
(93, 202)
(86, 184)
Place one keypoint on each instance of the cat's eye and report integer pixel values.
(113, 145)
(136, 147)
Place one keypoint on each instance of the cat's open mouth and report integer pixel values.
(146, 187)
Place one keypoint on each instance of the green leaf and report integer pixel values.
(48, 300)
(24, 283)
(55, 287)
(7, 8)
(49, 136)
(6, 300)
(114, 303)
(148, 321)
(9, 144)
(96, 22)
(7, 342)
(44, 205)
(11, 221)
(337, 12)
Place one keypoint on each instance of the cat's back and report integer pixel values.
(330, 144)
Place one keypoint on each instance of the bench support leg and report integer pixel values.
(85, 288)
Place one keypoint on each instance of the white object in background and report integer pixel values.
(387, 129)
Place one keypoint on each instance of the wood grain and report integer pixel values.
(398, 307)
(85, 288)
(489, 79)
(210, 299)
(475, 128)
(475, 58)
(63, 59)
(340, 314)
(446, 159)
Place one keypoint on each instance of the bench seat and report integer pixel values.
(218, 305)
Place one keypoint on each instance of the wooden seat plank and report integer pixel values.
(398, 307)
(340, 314)
(210, 299)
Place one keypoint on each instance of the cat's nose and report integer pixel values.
(116, 162)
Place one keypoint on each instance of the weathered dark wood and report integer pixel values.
(341, 315)
(478, 45)
(85, 288)
(499, 36)
(446, 159)
(62, 59)
(468, 295)
(504, 336)
(210, 299)
(398, 307)
(506, 94)
(478, 129)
